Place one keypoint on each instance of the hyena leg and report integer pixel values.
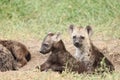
(54, 67)
(57, 68)
(15, 65)
(45, 66)
(19, 57)
(23, 61)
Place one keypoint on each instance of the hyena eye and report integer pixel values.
(46, 45)
(74, 37)
(82, 37)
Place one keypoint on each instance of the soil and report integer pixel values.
(110, 48)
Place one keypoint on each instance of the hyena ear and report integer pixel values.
(89, 30)
(50, 33)
(57, 37)
(71, 27)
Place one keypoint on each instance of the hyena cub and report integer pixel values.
(7, 61)
(59, 57)
(18, 50)
(86, 52)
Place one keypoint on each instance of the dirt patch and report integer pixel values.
(110, 48)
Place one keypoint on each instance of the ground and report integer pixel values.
(29, 70)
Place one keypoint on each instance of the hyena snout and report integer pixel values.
(41, 51)
(45, 49)
(77, 43)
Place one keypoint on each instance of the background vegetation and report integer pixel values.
(32, 19)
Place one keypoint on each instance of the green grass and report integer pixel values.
(33, 19)
(36, 75)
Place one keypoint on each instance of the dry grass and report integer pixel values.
(36, 75)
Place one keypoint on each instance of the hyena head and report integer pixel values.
(48, 42)
(80, 36)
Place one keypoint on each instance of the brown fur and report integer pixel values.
(59, 57)
(85, 50)
(7, 61)
(18, 50)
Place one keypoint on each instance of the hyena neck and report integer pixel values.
(80, 54)
(59, 46)
(84, 53)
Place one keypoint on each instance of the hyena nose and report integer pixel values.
(76, 44)
(41, 51)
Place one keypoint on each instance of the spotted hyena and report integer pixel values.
(7, 61)
(18, 50)
(85, 50)
(59, 57)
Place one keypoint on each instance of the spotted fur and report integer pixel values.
(18, 50)
(85, 50)
(7, 61)
(59, 59)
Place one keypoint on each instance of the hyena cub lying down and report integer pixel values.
(59, 57)
(18, 50)
(7, 61)
(86, 52)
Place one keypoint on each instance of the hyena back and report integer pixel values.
(85, 50)
(7, 61)
(18, 50)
